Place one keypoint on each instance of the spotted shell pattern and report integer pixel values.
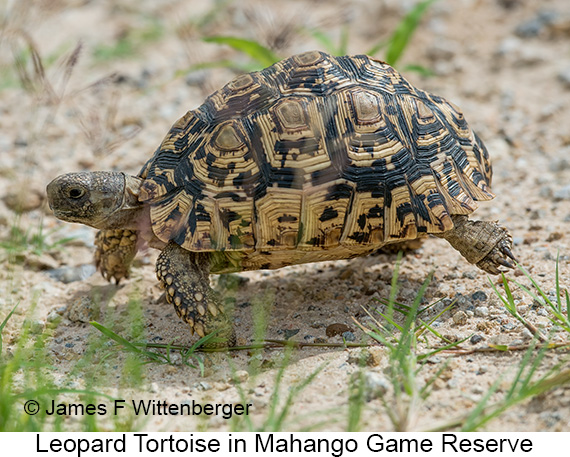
(314, 154)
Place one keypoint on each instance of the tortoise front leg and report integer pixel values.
(185, 277)
(115, 252)
(483, 243)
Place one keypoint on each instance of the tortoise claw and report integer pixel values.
(507, 251)
(505, 262)
(500, 256)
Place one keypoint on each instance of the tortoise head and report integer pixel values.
(100, 199)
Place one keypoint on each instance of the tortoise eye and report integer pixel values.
(76, 193)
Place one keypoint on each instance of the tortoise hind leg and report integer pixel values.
(185, 277)
(483, 243)
(115, 252)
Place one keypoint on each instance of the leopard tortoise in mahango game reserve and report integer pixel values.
(314, 158)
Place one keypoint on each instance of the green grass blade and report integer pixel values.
(420, 69)
(343, 45)
(293, 392)
(356, 399)
(474, 419)
(124, 342)
(264, 56)
(403, 33)
(557, 278)
(4, 322)
(443, 348)
(407, 332)
(427, 325)
(391, 321)
(425, 390)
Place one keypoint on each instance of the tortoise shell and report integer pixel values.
(316, 157)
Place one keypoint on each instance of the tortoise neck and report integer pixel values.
(129, 213)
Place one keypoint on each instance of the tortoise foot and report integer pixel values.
(185, 277)
(500, 256)
(115, 252)
(483, 243)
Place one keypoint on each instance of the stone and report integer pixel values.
(564, 77)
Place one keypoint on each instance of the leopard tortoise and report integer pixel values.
(313, 158)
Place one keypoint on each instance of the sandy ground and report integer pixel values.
(506, 63)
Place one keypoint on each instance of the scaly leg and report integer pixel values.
(116, 250)
(483, 243)
(185, 276)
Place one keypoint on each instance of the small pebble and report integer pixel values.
(462, 301)
(479, 295)
(561, 164)
(41, 262)
(346, 273)
(287, 333)
(563, 193)
(518, 240)
(376, 385)
(24, 201)
(349, 336)
(204, 385)
(452, 383)
(258, 392)
(241, 376)
(482, 370)
(82, 310)
(221, 386)
(550, 418)
(336, 329)
(53, 316)
(554, 236)
(509, 46)
(460, 318)
(470, 274)
(36, 326)
(481, 311)
(441, 50)
(545, 192)
(197, 77)
(478, 390)
(564, 77)
(476, 339)
(534, 26)
(72, 274)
